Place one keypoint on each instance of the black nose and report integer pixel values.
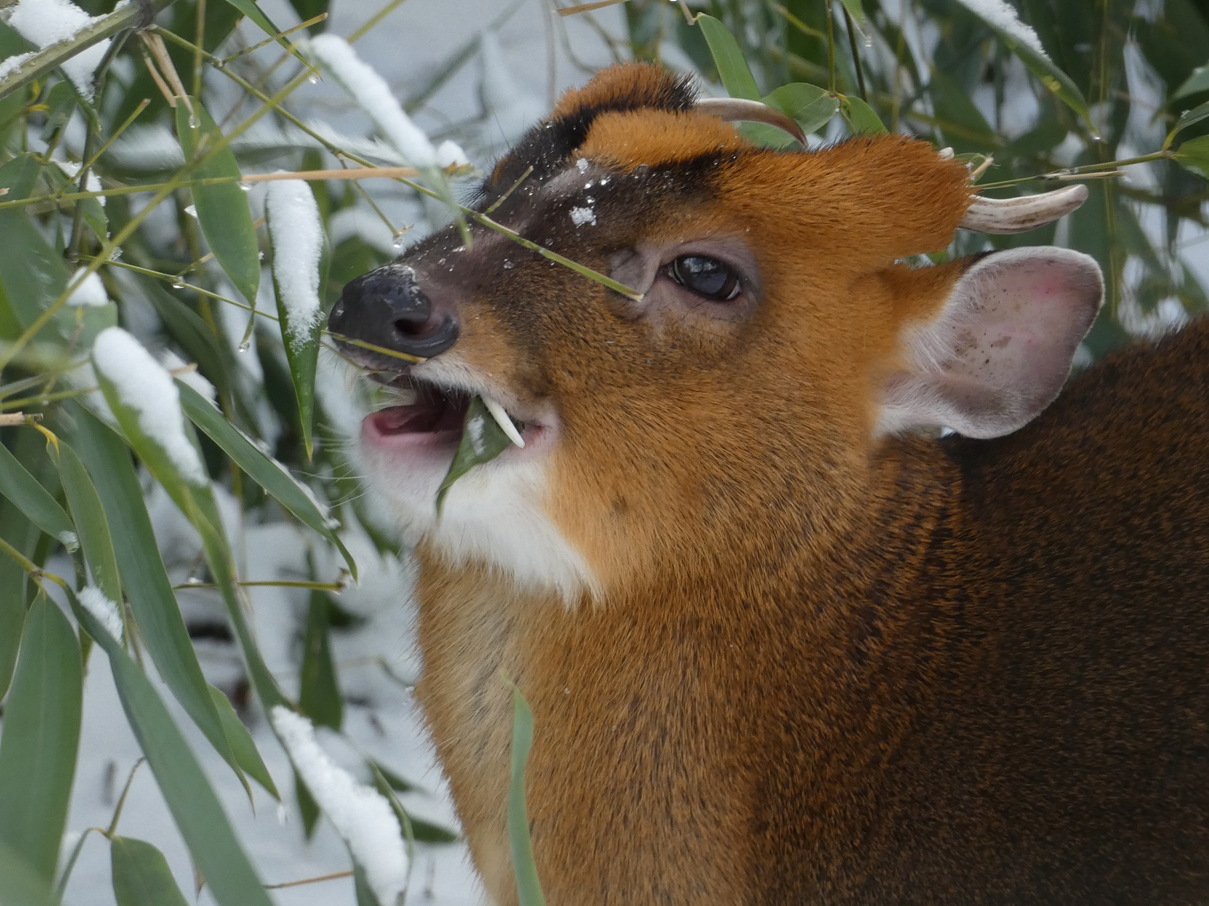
(387, 308)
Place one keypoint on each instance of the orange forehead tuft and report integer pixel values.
(628, 140)
(640, 84)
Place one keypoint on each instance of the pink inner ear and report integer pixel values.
(1000, 349)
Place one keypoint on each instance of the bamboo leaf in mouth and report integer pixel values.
(483, 439)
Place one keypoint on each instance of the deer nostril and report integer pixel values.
(388, 308)
(411, 327)
(403, 299)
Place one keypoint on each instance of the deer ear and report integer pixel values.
(1000, 348)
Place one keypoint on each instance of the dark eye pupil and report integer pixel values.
(707, 277)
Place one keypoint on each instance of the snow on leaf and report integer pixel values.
(106, 611)
(145, 386)
(175, 363)
(373, 94)
(91, 292)
(1000, 15)
(450, 154)
(8, 64)
(359, 813)
(296, 233)
(47, 22)
(92, 184)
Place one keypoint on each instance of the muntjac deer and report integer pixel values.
(781, 646)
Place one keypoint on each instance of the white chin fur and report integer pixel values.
(492, 514)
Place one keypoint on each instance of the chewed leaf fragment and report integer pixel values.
(482, 441)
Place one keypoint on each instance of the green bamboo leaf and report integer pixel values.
(40, 739)
(31, 498)
(319, 696)
(393, 780)
(190, 798)
(91, 208)
(361, 889)
(90, 519)
(384, 788)
(214, 356)
(308, 808)
(728, 57)
(147, 408)
(12, 123)
(414, 829)
(148, 589)
(12, 593)
(810, 106)
(95, 216)
(222, 209)
(242, 743)
(20, 884)
(1198, 81)
(528, 887)
(253, 12)
(1194, 155)
(1192, 294)
(141, 876)
(201, 510)
(963, 125)
(855, 10)
(23, 535)
(263, 469)
(427, 832)
(32, 273)
(61, 103)
(860, 117)
(1039, 65)
(1188, 117)
(482, 441)
(146, 397)
(20, 175)
(297, 237)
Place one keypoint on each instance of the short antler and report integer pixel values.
(1016, 215)
(740, 109)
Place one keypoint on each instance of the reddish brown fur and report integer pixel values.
(823, 667)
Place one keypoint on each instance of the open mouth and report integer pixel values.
(422, 414)
(430, 411)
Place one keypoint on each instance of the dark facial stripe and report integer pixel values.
(548, 144)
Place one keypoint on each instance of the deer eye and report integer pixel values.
(707, 277)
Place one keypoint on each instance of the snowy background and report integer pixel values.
(521, 63)
(517, 58)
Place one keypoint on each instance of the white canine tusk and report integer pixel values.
(1016, 215)
(503, 420)
(732, 109)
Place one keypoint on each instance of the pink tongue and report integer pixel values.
(398, 419)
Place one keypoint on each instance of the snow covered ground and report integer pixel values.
(515, 72)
